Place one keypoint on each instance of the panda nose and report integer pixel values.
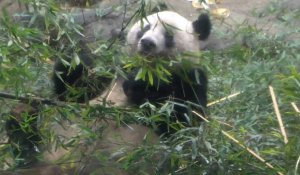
(147, 44)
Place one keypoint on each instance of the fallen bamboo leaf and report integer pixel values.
(199, 5)
(220, 13)
(211, 1)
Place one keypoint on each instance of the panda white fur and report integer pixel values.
(168, 33)
(161, 34)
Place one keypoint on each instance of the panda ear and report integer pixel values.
(202, 26)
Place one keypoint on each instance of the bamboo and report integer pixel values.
(241, 145)
(223, 99)
(295, 107)
(277, 112)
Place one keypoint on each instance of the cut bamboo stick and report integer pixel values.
(223, 99)
(295, 107)
(241, 145)
(277, 112)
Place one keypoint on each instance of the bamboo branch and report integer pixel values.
(277, 112)
(35, 100)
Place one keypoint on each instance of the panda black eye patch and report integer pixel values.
(169, 39)
(142, 32)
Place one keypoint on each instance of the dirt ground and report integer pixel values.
(240, 11)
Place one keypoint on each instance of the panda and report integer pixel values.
(162, 35)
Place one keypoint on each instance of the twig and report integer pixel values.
(112, 89)
(36, 100)
(278, 115)
(199, 115)
(182, 168)
(223, 99)
(203, 118)
(241, 145)
(297, 165)
(124, 26)
(103, 98)
(295, 107)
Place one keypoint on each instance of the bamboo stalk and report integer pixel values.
(277, 112)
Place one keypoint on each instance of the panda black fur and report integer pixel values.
(74, 83)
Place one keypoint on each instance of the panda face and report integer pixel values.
(151, 40)
(161, 34)
(154, 40)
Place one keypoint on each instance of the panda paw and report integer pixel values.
(135, 90)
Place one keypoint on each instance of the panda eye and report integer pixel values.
(142, 31)
(139, 34)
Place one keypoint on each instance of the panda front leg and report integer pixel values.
(190, 93)
(139, 91)
(188, 89)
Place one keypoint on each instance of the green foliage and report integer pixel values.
(149, 68)
(248, 67)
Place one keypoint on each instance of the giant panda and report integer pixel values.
(162, 35)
